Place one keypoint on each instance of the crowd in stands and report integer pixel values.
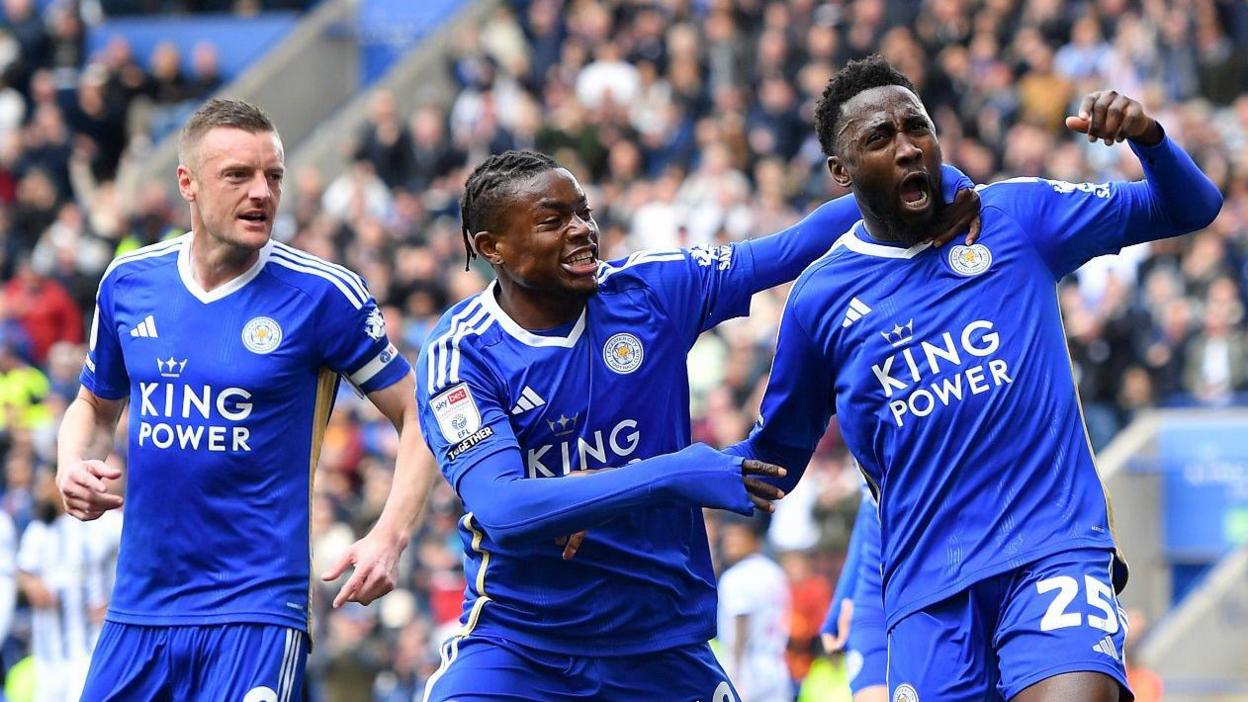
(690, 123)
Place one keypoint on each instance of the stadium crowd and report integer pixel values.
(690, 123)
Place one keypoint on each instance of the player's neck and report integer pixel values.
(534, 310)
(215, 263)
(891, 233)
(878, 229)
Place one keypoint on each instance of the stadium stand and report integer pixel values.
(690, 123)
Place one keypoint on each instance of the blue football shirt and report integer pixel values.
(949, 371)
(229, 391)
(610, 389)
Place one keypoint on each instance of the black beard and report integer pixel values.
(900, 229)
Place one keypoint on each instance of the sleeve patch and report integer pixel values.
(721, 256)
(456, 412)
(375, 325)
(472, 441)
(1062, 187)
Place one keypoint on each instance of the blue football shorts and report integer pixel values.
(1058, 614)
(487, 669)
(245, 662)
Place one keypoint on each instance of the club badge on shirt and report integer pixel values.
(970, 260)
(623, 353)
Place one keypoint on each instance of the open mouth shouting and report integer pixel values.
(915, 192)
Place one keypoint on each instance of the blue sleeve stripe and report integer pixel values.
(346, 274)
(281, 260)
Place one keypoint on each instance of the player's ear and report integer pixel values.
(487, 245)
(186, 183)
(839, 173)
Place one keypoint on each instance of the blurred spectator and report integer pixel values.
(386, 143)
(44, 308)
(205, 71)
(64, 569)
(753, 613)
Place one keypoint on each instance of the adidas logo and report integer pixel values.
(528, 400)
(145, 329)
(857, 310)
(1106, 646)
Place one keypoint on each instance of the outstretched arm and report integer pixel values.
(780, 257)
(512, 508)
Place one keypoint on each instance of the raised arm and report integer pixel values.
(781, 257)
(1071, 223)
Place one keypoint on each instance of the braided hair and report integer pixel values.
(489, 186)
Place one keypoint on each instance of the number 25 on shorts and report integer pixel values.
(1099, 596)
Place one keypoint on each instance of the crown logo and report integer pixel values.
(563, 425)
(899, 334)
(171, 368)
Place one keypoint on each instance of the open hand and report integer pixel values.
(84, 491)
(961, 215)
(1112, 117)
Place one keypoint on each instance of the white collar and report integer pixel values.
(523, 335)
(207, 296)
(855, 243)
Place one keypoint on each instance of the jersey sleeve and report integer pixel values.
(104, 372)
(462, 407)
(354, 342)
(1072, 223)
(698, 287)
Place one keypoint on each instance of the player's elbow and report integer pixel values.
(1209, 211)
(1201, 209)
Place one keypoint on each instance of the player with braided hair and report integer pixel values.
(570, 367)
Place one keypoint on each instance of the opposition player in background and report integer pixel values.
(65, 568)
(955, 394)
(562, 366)
(855, 619)
(228, 347)
(753, 620)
